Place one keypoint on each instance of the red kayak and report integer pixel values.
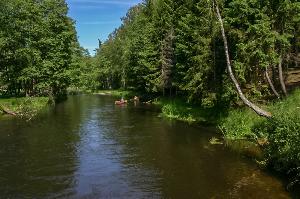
(121, 102)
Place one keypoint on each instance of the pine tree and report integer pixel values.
(194, 42)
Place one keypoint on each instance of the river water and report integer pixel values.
(87, 147)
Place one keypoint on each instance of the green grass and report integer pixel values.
(241, 123)
(178, 109)
(26, 107)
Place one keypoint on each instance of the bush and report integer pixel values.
(283, 150)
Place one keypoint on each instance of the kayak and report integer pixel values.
(121, 102)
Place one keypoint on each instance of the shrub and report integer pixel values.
(283, 150)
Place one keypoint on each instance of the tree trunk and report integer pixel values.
(281, 77)
(271, 84)
(124, 78)
(296, 46)
(6, 111)
(255, 108)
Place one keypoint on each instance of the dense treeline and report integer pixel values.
(38, 46)
(170, 47)
(213, 53)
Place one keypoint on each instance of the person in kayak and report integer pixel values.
(122, 101)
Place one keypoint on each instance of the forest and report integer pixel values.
(216, 56)
(176, 48)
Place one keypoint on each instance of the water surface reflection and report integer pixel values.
(89, 148)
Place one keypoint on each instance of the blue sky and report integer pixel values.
(95, 19)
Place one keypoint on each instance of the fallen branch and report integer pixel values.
(6, 111)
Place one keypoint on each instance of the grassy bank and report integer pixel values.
(115, 93)
(25, 107)
(279, 136)
(180, 110)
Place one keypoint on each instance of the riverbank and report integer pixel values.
(115, 93)
(178, 109)
(24, 107)
(279, 136)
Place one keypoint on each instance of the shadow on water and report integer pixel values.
(87, 147)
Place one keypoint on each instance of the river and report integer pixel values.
(87, 147)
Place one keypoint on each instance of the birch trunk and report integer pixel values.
(255, 108)
(281, 79)
(271, 84)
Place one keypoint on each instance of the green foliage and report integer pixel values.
(168, 47)
(180, 110)
(36, 44)
(129, 58)
(239, 123)
(283, 133)
(195, 51)
(83, 72)
(260, 32)
(117, 93)
(174, 111)
(243, 123)
(284, 136)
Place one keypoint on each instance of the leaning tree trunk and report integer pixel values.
(271, 83)
(281, 79)
(255, 108)
(6, 111)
